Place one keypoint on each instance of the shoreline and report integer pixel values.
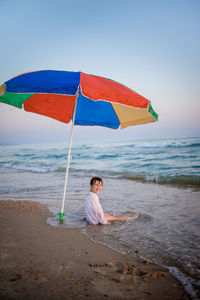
(41, 261)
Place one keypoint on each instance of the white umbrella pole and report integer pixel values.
(61, 214)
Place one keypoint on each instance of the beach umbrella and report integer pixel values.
(83, 98)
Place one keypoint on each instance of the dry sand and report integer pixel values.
(38, 261)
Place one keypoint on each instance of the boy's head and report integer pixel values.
(96, 184)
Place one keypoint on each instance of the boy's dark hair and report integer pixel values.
(94, 179)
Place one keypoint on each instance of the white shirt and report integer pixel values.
(93, 210)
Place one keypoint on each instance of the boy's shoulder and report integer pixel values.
(92, 195)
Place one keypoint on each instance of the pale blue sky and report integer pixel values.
(151, 46)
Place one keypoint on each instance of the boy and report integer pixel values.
(93, 209)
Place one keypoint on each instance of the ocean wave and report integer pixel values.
(56, 156)
(183, 180)
(25, 155)
(60, 170)
(170, 144)
(105, 156)
(178, 180)
(24, 168)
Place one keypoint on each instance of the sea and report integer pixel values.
(157, 178)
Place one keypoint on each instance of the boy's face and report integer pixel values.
(96, 187)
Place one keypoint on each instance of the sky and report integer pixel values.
(151, 46)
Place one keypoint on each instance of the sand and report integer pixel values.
(39, 261)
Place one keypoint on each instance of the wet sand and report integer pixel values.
(39, 261)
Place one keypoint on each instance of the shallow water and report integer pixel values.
(167, 231)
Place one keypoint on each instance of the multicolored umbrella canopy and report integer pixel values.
(101, 101)
(86, 99)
